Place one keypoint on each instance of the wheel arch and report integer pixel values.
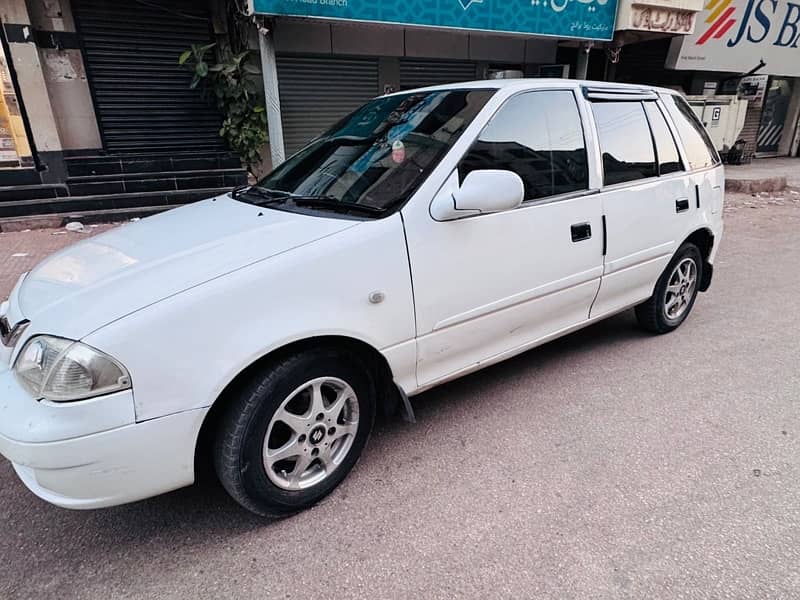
(703, 238)
(387, 393)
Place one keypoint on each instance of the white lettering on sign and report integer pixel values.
(733, 35)
(658, 18)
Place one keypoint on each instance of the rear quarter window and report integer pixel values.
(700, 150)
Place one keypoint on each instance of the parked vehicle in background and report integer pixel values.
(427, 235)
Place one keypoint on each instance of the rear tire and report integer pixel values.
(294, 431)
(675, 292)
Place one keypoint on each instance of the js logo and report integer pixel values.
(759, 19)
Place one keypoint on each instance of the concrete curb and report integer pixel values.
(752, 186)
(57, 221)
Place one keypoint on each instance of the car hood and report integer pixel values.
(106, 277)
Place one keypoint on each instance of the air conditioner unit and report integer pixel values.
(723, 117)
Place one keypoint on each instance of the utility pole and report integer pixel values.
(583, 60)
(269, 68)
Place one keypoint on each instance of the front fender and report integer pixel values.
(183, 351)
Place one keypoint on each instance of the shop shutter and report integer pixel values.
(416, 73)
(749, 133)
(316, 92)
(141, 94)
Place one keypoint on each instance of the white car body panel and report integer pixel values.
(92, 283)
(471, 306)
(183, 351)
(189, 299)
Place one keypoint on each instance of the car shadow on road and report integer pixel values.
(203, 513)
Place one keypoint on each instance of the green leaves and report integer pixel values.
(229, 82)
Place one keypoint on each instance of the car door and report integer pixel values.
(647, 199)
(490, 285)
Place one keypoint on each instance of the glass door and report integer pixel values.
(773, 116)
(15, 150)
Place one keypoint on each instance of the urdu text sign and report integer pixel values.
(586, 19)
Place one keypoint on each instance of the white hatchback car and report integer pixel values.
(428, 234)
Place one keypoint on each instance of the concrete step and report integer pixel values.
(158, 181)
(92, 165)
(31, 192)
(59, 220)
(105, 202)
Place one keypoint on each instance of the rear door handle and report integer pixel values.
(682, 205)
(581, 231)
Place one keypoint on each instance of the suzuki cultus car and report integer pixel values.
(429, 234)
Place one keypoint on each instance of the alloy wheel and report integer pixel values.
(680, 289)
(311, 433)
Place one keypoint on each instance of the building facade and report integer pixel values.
(97, 115)
(748, 49)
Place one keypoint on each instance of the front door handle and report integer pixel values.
(682, 205)
(581, 231)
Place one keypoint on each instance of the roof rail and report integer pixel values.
(617, 94)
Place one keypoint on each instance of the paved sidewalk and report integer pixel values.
(20, 251)
(764, 174)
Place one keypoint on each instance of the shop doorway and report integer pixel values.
(774, 115)
(141, 95)
(15, 147)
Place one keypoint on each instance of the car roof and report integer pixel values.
(538, 83)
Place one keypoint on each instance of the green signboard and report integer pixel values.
(586, 19)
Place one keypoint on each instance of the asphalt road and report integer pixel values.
(608, 464)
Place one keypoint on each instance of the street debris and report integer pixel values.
(75, 227)
(20, 255)
(734, 201)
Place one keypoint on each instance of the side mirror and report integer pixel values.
(482, 192)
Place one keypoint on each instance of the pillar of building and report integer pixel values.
(64, 74)
(24, 56)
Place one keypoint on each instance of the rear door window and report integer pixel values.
(699, 148)
(538, 136)
(669, 160)
(625, 141)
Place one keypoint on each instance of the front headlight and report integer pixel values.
(62, 370)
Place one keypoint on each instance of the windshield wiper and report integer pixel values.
(270, 196)
(334, 203)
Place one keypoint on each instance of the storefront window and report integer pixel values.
(15, 151)
(773, 117)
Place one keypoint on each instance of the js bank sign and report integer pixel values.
(732, 35)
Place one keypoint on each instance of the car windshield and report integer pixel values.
(374, 159)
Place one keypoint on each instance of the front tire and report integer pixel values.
(675, 292)
(295, 430)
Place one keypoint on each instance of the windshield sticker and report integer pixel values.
(398, 151)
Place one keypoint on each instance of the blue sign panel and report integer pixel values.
(586, 19)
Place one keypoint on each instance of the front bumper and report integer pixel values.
(62, 463)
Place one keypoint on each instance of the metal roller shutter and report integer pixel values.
(317, 92)
(141, 94)
(416, 73)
